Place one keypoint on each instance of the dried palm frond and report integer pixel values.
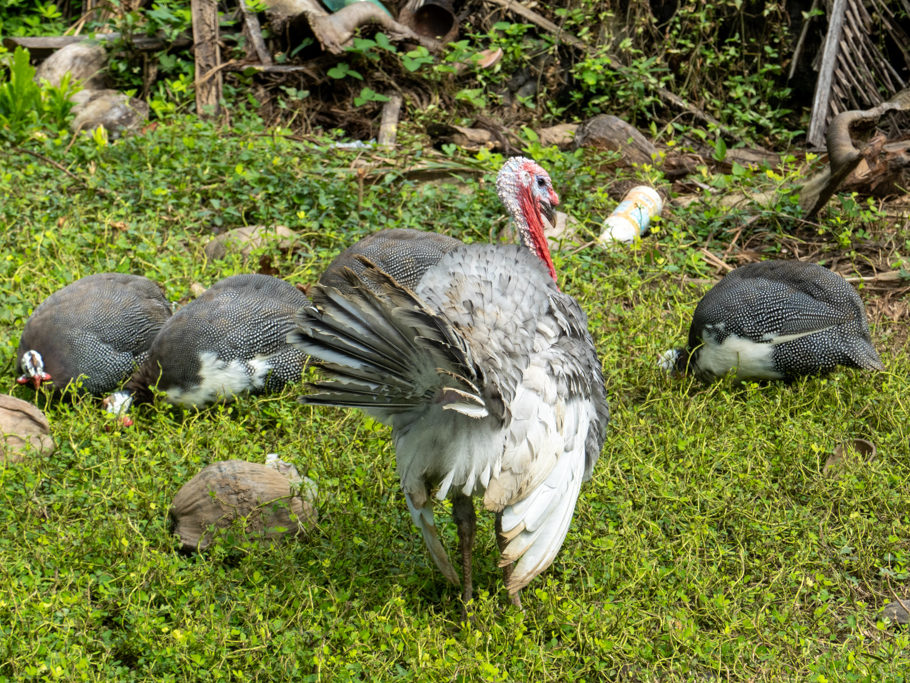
(857, 67)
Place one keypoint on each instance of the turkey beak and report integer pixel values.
(549, 212)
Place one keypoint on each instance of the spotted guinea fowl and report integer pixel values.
(402, 253)
(231, 339)
(486, 373)
(776, 320)
(98, 328)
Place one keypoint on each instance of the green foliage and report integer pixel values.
(30, 18)
(26, 106)
(369, 95)
(342, 70)
(172, 91)
(727, 57)
(416, 58)
(712, 542)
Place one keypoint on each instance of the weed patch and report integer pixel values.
(710, 543)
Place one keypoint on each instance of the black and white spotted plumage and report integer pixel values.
(230, 340)
(98, 328)
(403, 253)
(486, 373)
(776, 320)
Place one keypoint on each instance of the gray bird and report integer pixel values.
(403, 253)
(230, 340)
(486, 373)
(98, 328)
(776, 320)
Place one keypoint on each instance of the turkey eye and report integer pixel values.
(541, 182)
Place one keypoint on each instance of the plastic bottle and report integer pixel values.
(631, 218)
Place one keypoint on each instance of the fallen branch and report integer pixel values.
(336, 31)
(715, 261)
(60, 167)
(254, 32)
(844, 157)
(388, 127)
(41, 47)
(273, 69)
(879, 278)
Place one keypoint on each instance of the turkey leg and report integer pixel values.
(466, 522)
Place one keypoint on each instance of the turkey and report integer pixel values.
(488, 377)
(231, 339)
(98, 328)
(776, 320)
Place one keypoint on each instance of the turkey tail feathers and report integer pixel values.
(382, 347)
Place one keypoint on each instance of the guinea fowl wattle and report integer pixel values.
(230, 340)
(486, 373)
(95, 330)
(776, 320)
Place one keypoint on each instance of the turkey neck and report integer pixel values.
(530, 228)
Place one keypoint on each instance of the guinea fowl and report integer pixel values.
(96, 329)
(486, 373)
(231, 339)
(776, 320)
(402, 253)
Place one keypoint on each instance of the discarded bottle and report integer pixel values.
(632, 217)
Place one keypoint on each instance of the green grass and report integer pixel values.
(710, 544)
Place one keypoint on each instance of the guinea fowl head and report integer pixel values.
(33, 369)
(527, 192)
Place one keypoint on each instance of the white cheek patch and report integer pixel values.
(32, 363)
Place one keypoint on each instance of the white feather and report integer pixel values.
(748, 358)
(540, 521)
(221, 380)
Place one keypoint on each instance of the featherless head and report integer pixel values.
(522, 174)
(33, 369)
(527, 193)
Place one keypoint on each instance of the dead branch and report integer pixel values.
(843, 156)
(335, 31)
(878, 278)
(41, 47)
(388, 127)
(715, 261)
(254, 33)
(60, 167)
(207, 56)
(826, 73)
(844, 159)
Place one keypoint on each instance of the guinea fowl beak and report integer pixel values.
(117, 404)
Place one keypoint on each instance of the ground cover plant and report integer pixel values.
(716, 539)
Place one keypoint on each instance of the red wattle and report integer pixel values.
(531, 213)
